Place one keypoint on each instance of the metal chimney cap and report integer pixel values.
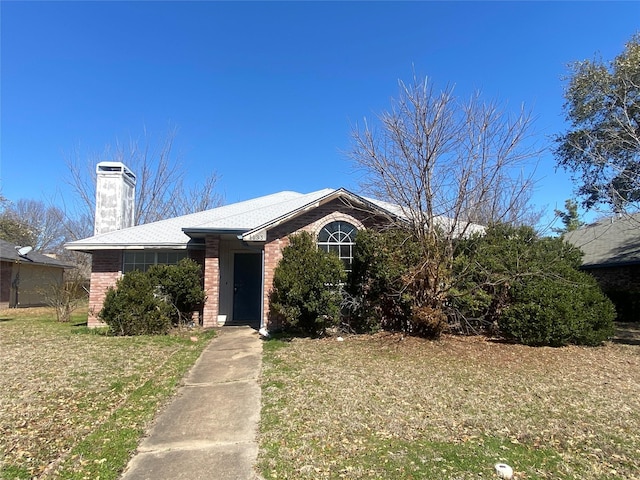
(115, 167)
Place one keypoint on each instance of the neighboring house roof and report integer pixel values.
(9, 253)
(610, 242)
(249, 220)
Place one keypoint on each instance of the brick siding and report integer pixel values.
(106, 269)
(211, 281)
(107, 265)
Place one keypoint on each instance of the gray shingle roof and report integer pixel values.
(9, 253)
(236, 218)
(250, 219)
(610, 242)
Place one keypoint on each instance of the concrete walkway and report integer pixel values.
(209, 429)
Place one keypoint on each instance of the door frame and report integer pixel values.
(255, 296)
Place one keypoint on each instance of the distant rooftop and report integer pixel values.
(610, 242)
(9, 253)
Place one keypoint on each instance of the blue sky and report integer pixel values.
(265, 93)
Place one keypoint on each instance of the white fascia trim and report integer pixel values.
(155, 246)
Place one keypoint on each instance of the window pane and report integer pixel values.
(323, 236)
(142, 260)
(338, 238)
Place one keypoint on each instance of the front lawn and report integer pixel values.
(74, 402)
(388, 407)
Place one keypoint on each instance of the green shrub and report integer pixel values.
(377, 304)
(134, 308)
(558, 311)
(531, 288)
(181, 285)
(386, 282)
(306, 287)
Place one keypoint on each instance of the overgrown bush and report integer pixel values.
(558, 311)
(133, 307)
(375, 283)
(306, 287)
(387, 282)
(181, 286)
(531, 288)
(151, 302)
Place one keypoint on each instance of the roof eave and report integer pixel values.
(88, 248)
(626, 263)
(200, 232)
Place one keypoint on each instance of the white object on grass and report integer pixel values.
(264, 332)
(504, 471)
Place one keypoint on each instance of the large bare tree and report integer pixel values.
(35, 224)
(160, 183)
(449, 165)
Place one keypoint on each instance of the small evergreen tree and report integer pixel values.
(570, 218)
(306, 286)
(375, 283)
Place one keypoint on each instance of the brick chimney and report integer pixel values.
(115, 197)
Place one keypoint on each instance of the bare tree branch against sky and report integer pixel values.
(264, 93)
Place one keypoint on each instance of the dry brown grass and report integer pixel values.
(328, 400)
(60, 383)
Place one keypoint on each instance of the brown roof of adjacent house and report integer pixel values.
(9, 253)
(611, 242)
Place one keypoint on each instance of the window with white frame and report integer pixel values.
(339, 237)
(142, 260)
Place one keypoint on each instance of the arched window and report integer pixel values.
(339, 238)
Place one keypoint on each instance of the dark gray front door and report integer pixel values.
(247, 288)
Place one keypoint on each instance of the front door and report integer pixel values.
(247, 289)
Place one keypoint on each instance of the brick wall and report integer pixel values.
(211, 281)
(626, 277)
(106, 269)
(107, 265)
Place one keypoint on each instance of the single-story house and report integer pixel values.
(238, 245)
(611, 250)
(26, 276)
